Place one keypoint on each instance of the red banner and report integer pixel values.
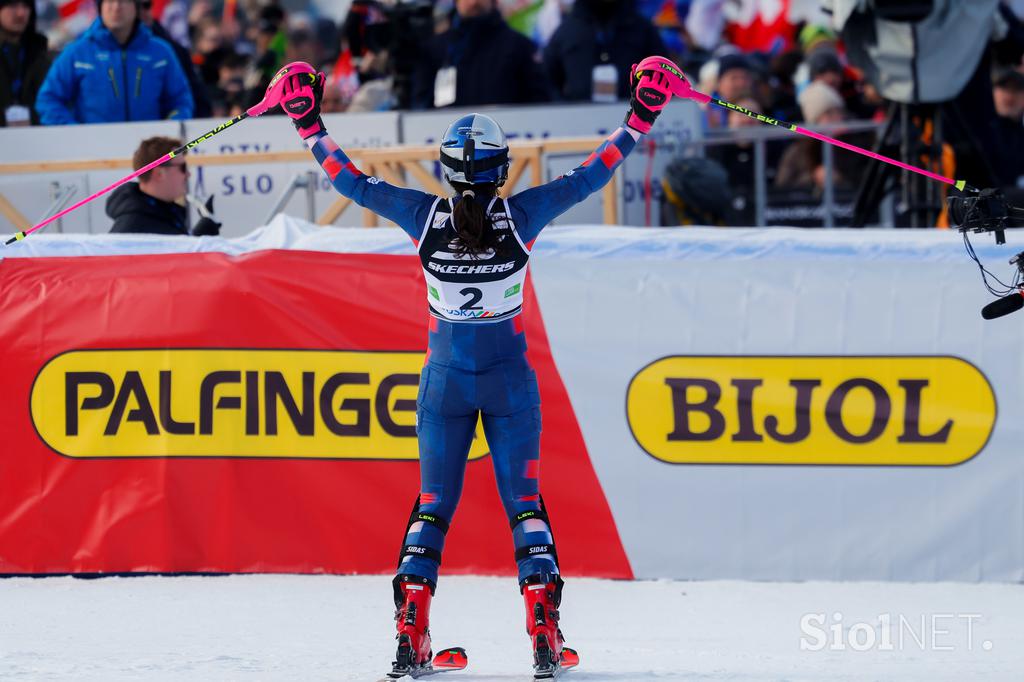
(200, 412)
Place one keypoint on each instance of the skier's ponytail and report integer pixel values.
(473, 225)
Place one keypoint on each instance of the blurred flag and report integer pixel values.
(535, 19)
(760, 25)
(71, 7)
(75, 17)
(769, 25)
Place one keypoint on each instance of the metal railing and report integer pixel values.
(403, 164)
(398, 165)
(760, 136)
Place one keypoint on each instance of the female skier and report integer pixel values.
(474, 248)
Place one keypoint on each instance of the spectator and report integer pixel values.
(230, 92)
(271, 41)
(231, 75)
(479, 60)
(207, 47)
(814, 37)
(591, 52)
(824, 66)
(381, 50)
(303, 46)
(801, 165)
(151, 205)
(696, 192)
(23, 62)
(337, 93)
(738, 162)
(201, 103)
(782, 100)
(116, 71)
(1008, 96)
(735, 77)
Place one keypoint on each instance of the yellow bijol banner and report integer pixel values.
(231, 403)
(781, 404)
(811, 410)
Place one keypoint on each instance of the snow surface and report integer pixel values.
(286, 627)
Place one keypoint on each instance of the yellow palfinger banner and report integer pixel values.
(231, 403)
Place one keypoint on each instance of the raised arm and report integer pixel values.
(408, 208)
(534, 208)
(651, 89)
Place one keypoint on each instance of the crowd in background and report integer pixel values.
(387, 54)
(67, 61)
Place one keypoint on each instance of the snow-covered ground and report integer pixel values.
(277, 627)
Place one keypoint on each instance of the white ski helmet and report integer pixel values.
(474, 151)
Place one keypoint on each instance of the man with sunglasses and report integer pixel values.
(155, 203)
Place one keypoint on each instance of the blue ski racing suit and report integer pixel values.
(476, 361)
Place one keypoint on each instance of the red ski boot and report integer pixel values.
(412, 618)
(549, 654)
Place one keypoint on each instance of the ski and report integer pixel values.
(448, 660)
(570, 659)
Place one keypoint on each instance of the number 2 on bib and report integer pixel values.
(474, 297)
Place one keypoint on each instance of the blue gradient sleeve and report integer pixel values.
(533, 209)
(408, 208)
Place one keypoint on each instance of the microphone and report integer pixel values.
(1004, 306)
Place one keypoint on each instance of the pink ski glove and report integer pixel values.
(652, 84)
(300, 99)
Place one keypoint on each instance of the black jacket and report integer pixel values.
(203, 108)
(494, 65)
(583, 40)
(31, 61)
(137, 212)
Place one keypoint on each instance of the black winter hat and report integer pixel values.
(702, 185)
(31, 28)
(733, 61)
(824, 61)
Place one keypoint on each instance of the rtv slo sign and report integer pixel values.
(919, 410)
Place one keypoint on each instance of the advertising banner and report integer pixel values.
(206, 412)
(793, 405)
(718, 404)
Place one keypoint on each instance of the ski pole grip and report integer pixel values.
(275, 91)
(688, 92)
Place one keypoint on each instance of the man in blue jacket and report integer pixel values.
(116, 71)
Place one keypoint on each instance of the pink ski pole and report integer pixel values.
(270, 100)
(682, 88)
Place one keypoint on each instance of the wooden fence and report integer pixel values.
(396, 165)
